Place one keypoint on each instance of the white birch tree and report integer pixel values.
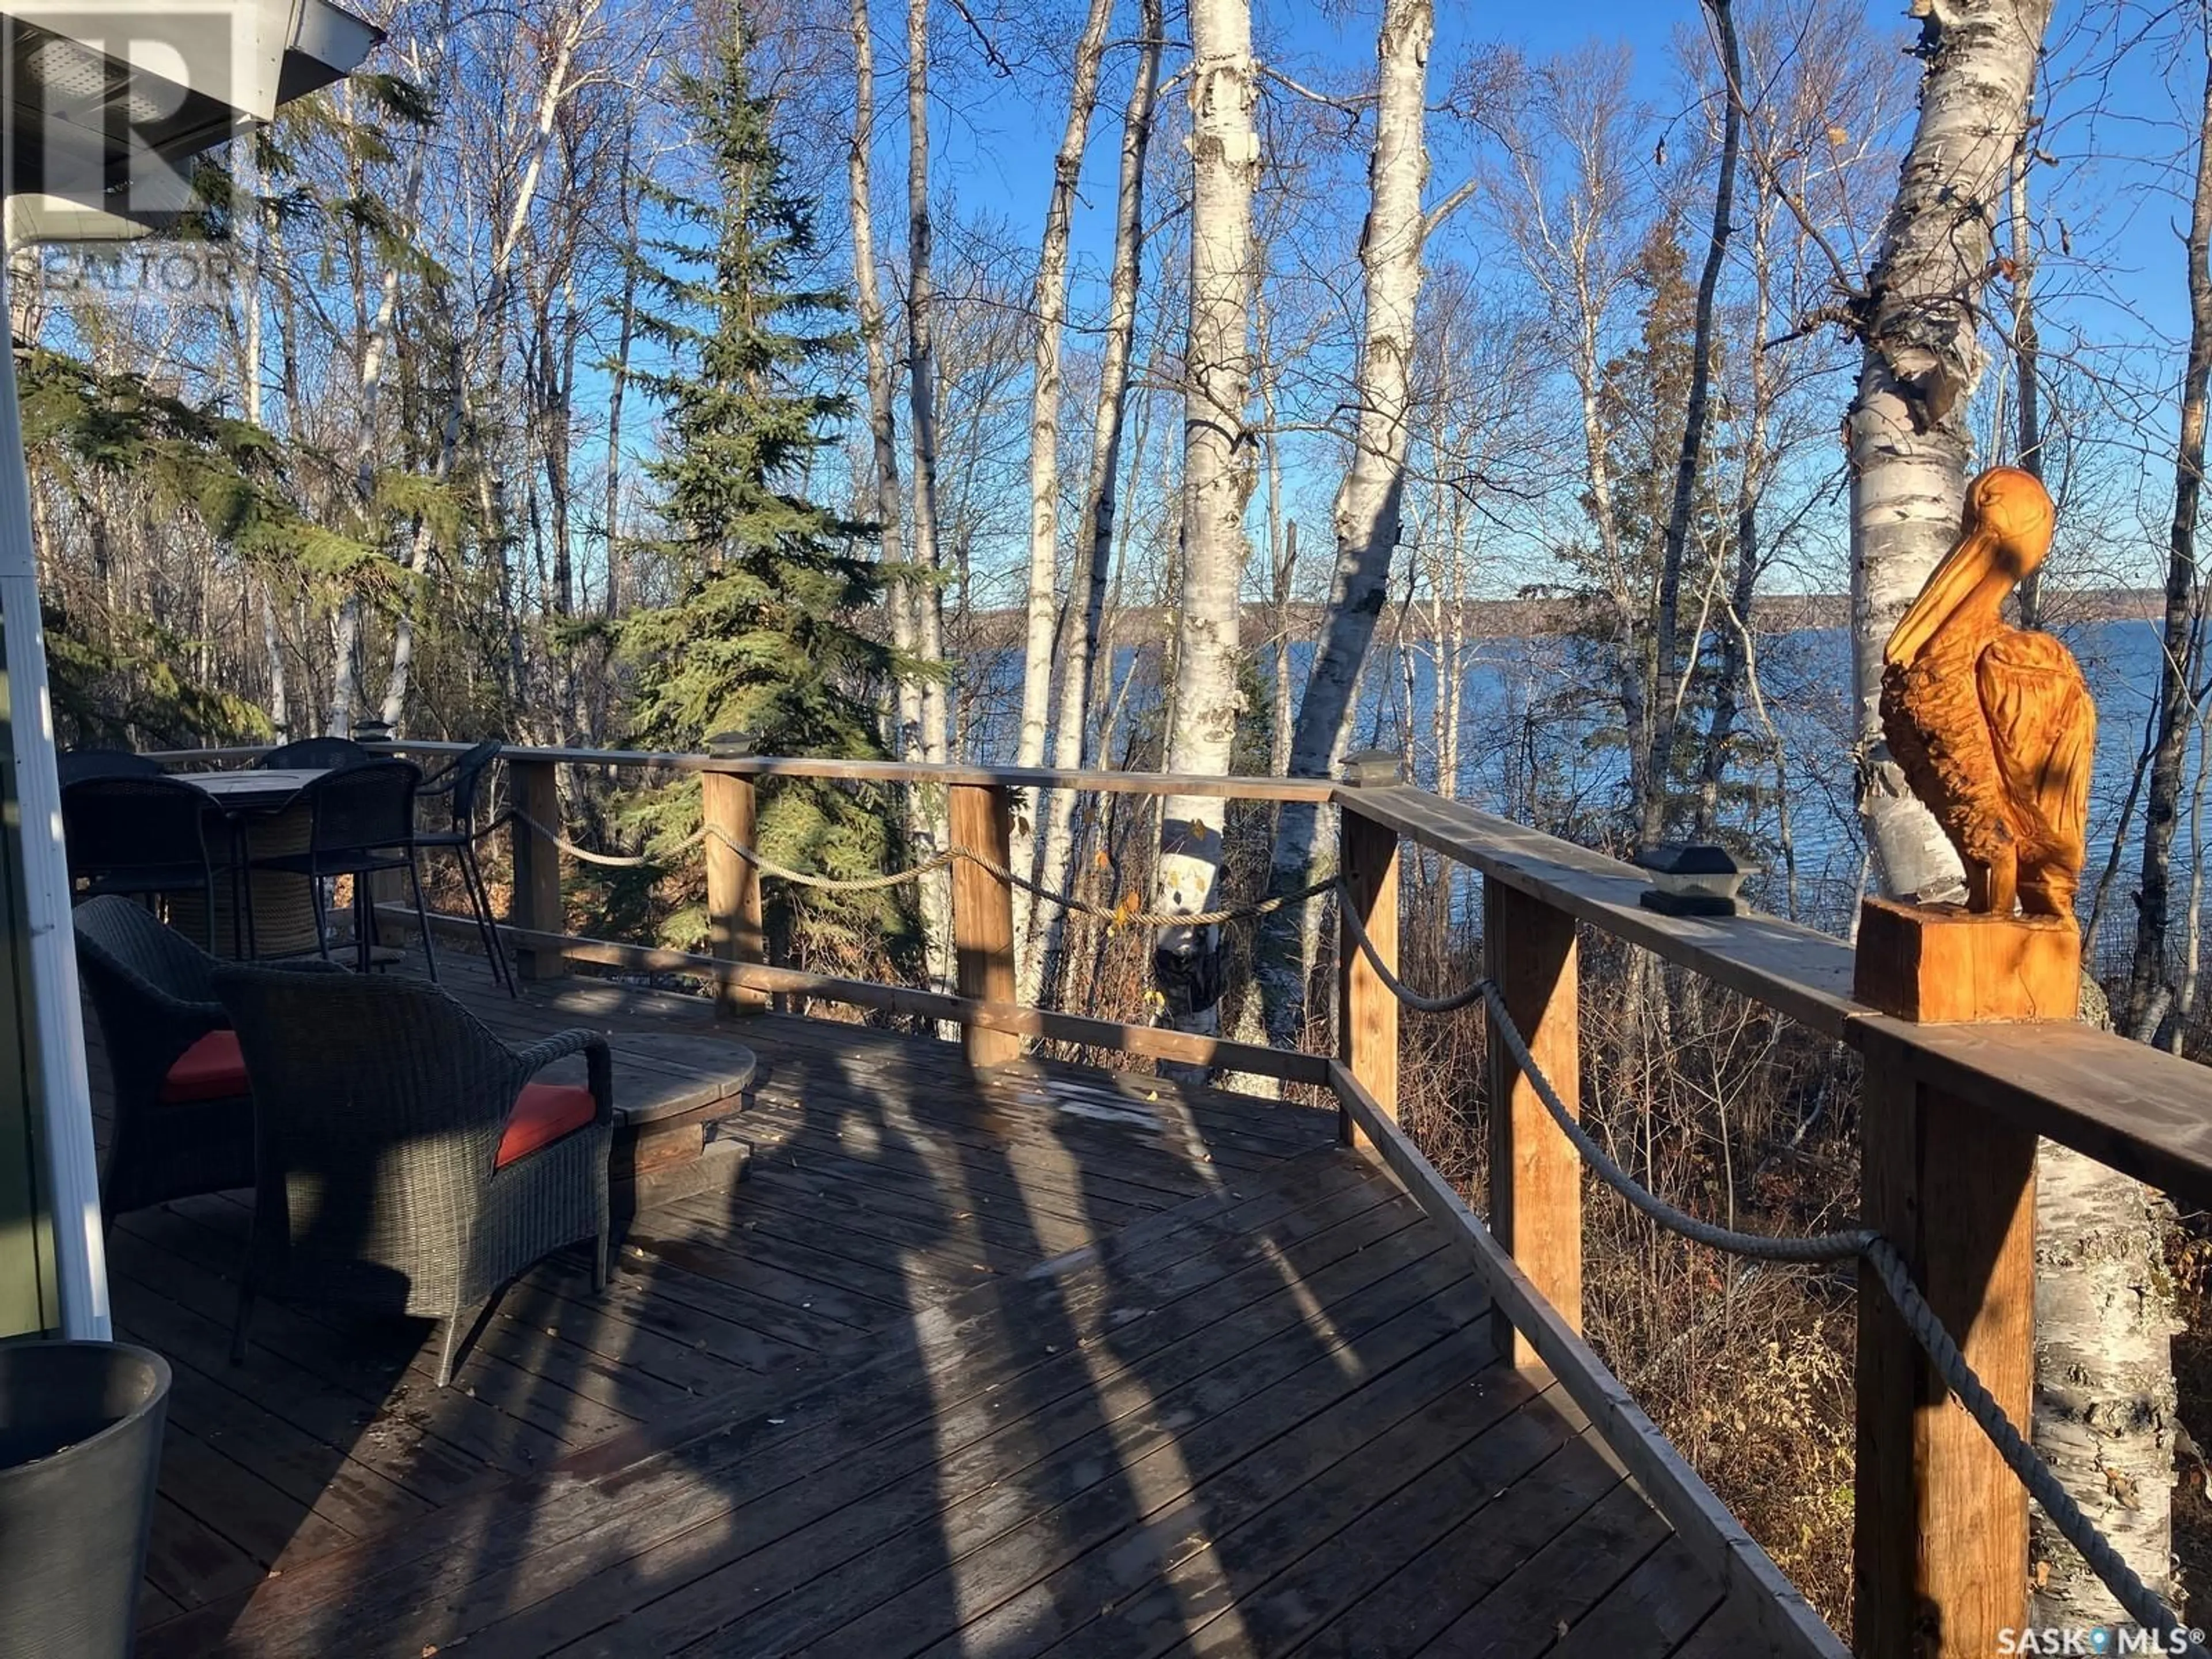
(1084, 616)
(1370, 501)
(1922, 357)
(925, 806)
(883, 421)
(1050, 308)
(1219, 475)
(2103, 1309)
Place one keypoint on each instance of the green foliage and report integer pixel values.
(120, 676)
(1643, 397)
(761, 635)
(79, 423)
(123, 685)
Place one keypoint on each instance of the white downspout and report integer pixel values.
(65, 1106)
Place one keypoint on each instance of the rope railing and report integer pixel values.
(1119, 915)
(2142, 1603)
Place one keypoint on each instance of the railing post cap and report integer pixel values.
(1372, 768)
(731, 745)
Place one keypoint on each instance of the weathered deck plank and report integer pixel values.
(1046, 1360)
(896, 1189)
(1480, 1543)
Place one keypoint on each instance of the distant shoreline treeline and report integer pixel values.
(1528, 617)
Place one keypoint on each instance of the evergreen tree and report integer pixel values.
(1642, 403)
(759, 635)
(106, 441)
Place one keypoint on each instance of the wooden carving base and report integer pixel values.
(1934, 964)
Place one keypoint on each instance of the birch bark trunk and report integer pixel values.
(1219, 475)
(1368, 504)
(1922, 357)
(1050, 306)
(926, 806)
(1080, 644)
(2103, 1406)
(2105, 1401)
(882, 426)
(921, 379)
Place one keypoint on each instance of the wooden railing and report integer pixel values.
(1949, 1120)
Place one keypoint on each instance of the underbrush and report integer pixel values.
(1735, 1115)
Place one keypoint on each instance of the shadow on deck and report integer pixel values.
(1046, 1360)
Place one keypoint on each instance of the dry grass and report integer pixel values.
(2190, 1253)
(1735, 1114)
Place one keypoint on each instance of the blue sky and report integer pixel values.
(2121, 104)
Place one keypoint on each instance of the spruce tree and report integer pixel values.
(765, 584)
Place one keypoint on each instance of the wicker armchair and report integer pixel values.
(406, 1162)
(183, 1119)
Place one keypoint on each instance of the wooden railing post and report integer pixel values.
(536, 905)
(1942, 1551)
(983, 913)
(1535, 1173)
(733, 889)
(1367, 1011)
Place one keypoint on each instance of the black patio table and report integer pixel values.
(266, 823)
(255, 790)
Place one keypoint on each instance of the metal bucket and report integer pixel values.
(80, 1450)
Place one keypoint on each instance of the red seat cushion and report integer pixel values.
(211, 1069)
(543, 1113)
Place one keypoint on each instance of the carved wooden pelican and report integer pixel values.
(1993, 725)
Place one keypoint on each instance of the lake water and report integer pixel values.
(1536, 744)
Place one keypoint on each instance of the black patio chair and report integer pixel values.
(316, 754)
(140, 836)
(80, 765)
(461, 786)
(183, 1116)
(406, 1162)
(361, 824)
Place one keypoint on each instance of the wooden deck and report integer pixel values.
(978, 1364)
